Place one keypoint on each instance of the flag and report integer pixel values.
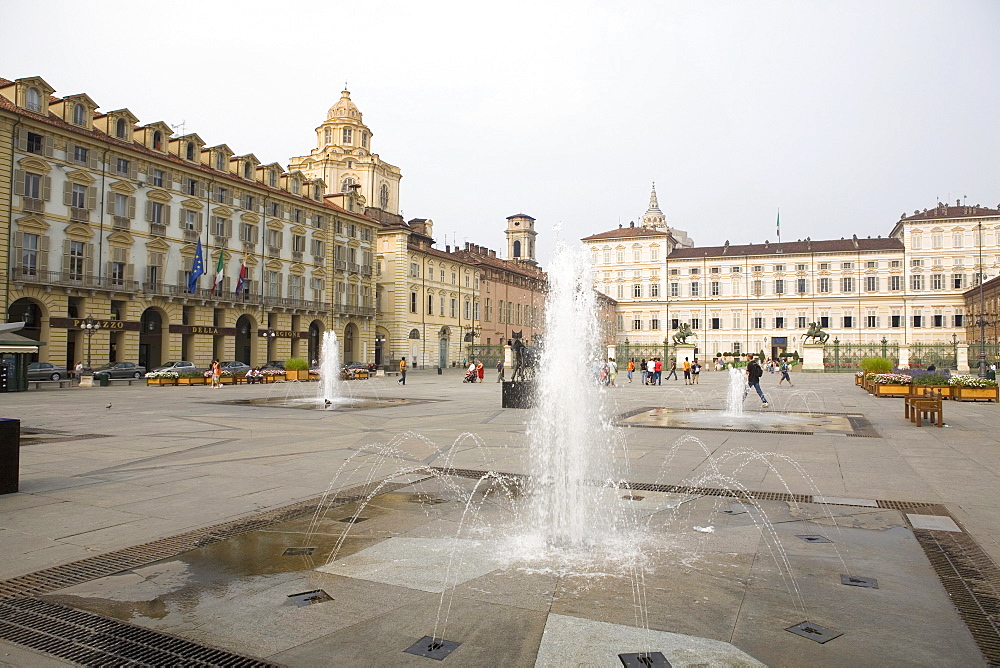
(779, 225)
(197, 269)
(243, 276)
(219, 271)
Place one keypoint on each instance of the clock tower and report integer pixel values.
(521, 238)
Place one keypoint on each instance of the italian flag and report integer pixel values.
(219, 272)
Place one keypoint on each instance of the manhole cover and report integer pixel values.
(814, 632)
(644, 660)
(298, 551)
(857, 581)
(310, 597)
(432, 648)
(353, 520)
(815, 539)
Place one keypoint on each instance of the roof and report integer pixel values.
(790, 248)
(629, 233)
(943, 210)
(520, 215)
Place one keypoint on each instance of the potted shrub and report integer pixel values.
(973, 388)
(869, 366)
(161, 378)
(296, 368)
(890, 384)
(190, 377)
(931, 380)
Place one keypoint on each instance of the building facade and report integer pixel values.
(104, 217)
(906, 287)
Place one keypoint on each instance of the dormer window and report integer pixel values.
(120, 128)
(78, 113)
(33, 100)
(346, 184)
(347, 136)
(295, 186)
(190, 151)
(272, 178)
(158, 140)
(247, 170)
(220, 161)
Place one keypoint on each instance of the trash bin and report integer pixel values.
(104, 380)
(439, 371)
(10, 444)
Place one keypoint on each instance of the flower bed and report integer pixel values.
(161, 378)
(974, 388)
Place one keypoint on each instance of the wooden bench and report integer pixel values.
(39, 384)
(927, 406)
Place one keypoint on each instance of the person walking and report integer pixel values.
(612, 371)
(630, 369)
(673, 369)
(658, 369)
(480, 370)
(216, 370)
(784, 373)
(687, 371)
(754, 372)
(695, 371)
(402, 371)
(645, 371)
(78, 369)
(500, 371)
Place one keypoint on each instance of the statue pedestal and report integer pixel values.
(812, 357)
(962, 358)
(508, 359)
(904, 356)
(518, 394)
(682, 350)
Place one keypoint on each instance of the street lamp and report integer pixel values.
(982, 308)
(270, 334)
(89, 326)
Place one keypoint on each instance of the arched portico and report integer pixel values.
(153, 323)
(246, 339)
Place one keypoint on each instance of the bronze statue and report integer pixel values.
(683, 332)
(816, 333)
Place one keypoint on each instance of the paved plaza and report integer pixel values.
(216, 490)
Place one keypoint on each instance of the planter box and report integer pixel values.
(885, 390)
(298, 374)
(161, 381)
(226, 380)
(944, 390)
(975, 393)
(194, 380)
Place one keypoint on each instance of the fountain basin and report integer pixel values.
(766, 421)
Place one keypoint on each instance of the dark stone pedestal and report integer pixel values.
(10, 444)
(518, 394)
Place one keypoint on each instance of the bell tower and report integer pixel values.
(521, 238)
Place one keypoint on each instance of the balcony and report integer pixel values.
(158, 229)
(319, 259)
(121, 223)
(297, 256)
(249, 247)
(221, 242)
(273, 251)
(353, 267)
(32, 205)
(293, 303)
(79, 215)
(23, 274)
(366, 270)
(190, 235)
(340, 265)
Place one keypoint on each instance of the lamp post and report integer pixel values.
(89, 326)
(982, 308)
(270, 334)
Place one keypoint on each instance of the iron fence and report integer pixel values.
(992, 351)
(626, 350)
(489, 354)
(941, 355)
(845, 357)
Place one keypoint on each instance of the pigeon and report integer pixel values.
(108, 406)
(326, 401)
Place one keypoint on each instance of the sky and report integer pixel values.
(843, 114)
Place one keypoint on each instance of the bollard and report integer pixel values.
(10, 443)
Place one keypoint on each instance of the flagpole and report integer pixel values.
(779, 224)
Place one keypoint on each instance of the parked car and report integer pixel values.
(121, 370)
(236, 367)
(46, 371)
(274, 364)
(177, 366)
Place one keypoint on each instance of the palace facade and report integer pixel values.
(103, 216)
(906, 287)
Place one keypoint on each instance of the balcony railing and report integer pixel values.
(353, 267)
(297, 256)
(352, 309)
(158, 229)
(33, 205)
(221, 242)
(79, 215)
(273, 251)
(248, 246)
(319, 259)
(366, 270)
(23, 274)
(121, 223)
(190, 235)
(340, 265)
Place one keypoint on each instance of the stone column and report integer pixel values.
(682, 350)
(611, 351)
(508, 361)
(962, 358)
(904, 355)
(812, 357)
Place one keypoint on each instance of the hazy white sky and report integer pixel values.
(845, 114)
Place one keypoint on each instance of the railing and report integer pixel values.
(190, 235)
(32, 205)
(248, 246)
(319, 259)
(366, 270)
(221, 242)
(158, 229)
(351, 309)
(273, 251)
(340, 265)
(79, 215)
(845, 357)
(121, 223)
(297, 256)
(23, 274)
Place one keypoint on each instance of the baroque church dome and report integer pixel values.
(344, 109)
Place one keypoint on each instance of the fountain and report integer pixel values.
(329, 369)
(737, 392)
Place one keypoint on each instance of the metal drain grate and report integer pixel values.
(89, 639)
(972, 580)
(91, 568)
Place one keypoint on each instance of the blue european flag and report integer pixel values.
(197, 269)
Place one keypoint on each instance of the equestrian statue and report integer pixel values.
(683, 332)
(816, 333)
(525, 357)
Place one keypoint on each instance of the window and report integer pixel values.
(189, 220)
(383, 197)
(958, 281)
(737, 319)
(871, 320)
(824, 285)
(937, 319)
(346, 136)
(824, 266)
(156, 178)
(637, 323)
(346, 184)
(800, 322)
(620, 256)
(779, 286)
(895, 283)
(248, 233)
(695, 270)
(220, 161)
(298, 243)
(917, 282)
(918, 319)
(716, 323)
(802, 267)
(454, 308)
(654, 289)
(78, 196)
(824, 321)
(737, 270)
(779, 322)
(871, 283)
(222, 196)
(271, 284)
(189, 152)
(958, 240)
(32, 186)
(274, 238)
(35, 143)
(122, 166)
(716, 288)
(121, 205)
(757, 287)
(156, 212)
(675, 289)
(779, 267)
(958, 318)
(847, 265)
(80, 155)
(157, 140)
(758, 320)
(654, 323)
(737, 287)
(801, 285)
(695, 288)
(737, 348)
(937, 281)
(120, 128)
(33, 100)
(848, 321)
(936, 240)
(249, 202)
(219, 225)
(637, 255)
(895, 320)
(847, 284)
(871, 265)
(757, 268)
(413, 303)
(29, 254)
(654, 254)
(695, 323)
(637, 290)
(916, 242)
(916, 263)
(895, 263)
(76, 260)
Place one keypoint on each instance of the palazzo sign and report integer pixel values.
(112, 325)
(282, 334)
(200, 329)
